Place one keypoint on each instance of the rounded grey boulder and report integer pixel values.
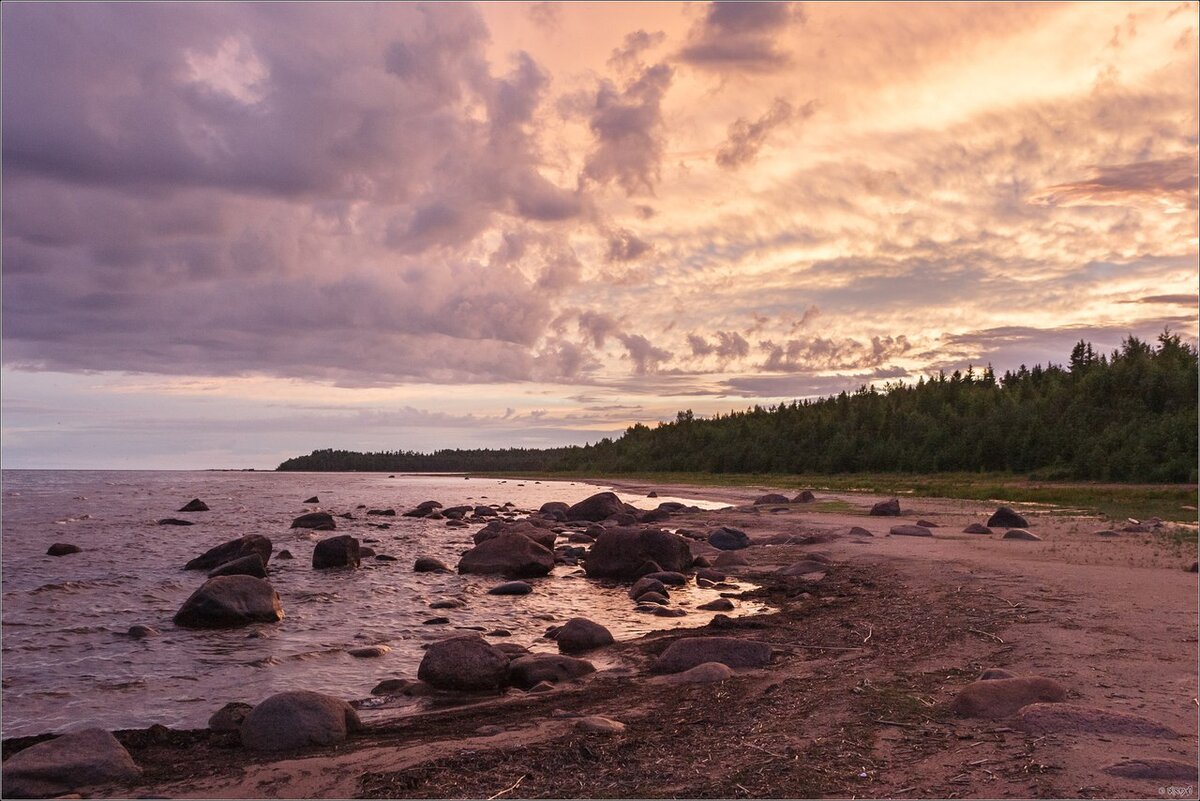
(67, 763)
(229, 601)
(727, 538)
(888, 508)
(232, 550)
(464, 663)
(340, 551)
(318, 521)
(600, 506)
(251, 565)
(296, 719)
(1004, 517)
(580, 634)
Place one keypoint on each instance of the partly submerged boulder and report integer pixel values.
(251, 565)
(296, 719)
(542, 536)
(580, 634)
(510, 555)
(194, 505)
(251, 544)
(229, 601)
(464, 663)
(63, 549)
(317, 521)
(341, 551)
(623, 553)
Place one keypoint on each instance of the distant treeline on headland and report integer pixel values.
(1127, 416)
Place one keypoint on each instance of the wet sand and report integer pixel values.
(867, 659)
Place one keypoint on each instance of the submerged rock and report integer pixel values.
(511, 588)
(296, 719)
(174, 521)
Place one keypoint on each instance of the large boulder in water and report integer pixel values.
(336, 552)
(526, 671)
(727, 538)
(509, 555)
(600, 506)
(251, 544)
(542, 536)
(67, 763)
(423, 509)
(580, 634)
(297, 719)
(685, 654)
(194, 505)
(623, 552)
(229, 601)
(888, 508)
(62, 549)
(317, 521)
(464, 663)
(1004, 517)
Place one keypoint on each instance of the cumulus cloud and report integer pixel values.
(645, 356)
(747, 138)
(628, 128)
(742, 36)
(598, 326)
(729, 345)
(628, 56)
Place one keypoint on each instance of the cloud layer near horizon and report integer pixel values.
(522, 203)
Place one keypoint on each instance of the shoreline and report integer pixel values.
(880, 646)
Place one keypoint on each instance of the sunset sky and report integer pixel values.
(233, 233)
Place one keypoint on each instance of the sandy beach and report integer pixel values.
(869, 653)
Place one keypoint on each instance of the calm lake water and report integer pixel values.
(68, 662)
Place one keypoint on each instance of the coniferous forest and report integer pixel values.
(1130, 415)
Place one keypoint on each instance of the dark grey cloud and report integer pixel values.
(598, 326)
(729, 345)
(797, 385)
(747, 138)
(1180, 300)
(742, 36)
(1173, 178)
(628, 128)
(645, 356)
(278, 189)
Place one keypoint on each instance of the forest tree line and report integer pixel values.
(1130, 415)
